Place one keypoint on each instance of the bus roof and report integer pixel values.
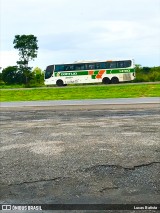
(94, 61)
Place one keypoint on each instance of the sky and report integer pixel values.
(73, 30)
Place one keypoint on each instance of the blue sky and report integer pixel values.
(71, 30)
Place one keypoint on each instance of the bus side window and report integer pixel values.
(85, 66)
(71, 67)
(82, 66)
(120, 64)
(97, 66)
(59, 68)
(102, 65)
(108, 65)
(91, 66)
(78, 67)
(56, 68)
(113, 65)
(127, 63)
(67, 68)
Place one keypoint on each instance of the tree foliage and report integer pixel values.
(37, 77)
(1, 77)
(27, 46)
(147, 74)
(12, 75)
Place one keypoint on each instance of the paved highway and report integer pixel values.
(84, 155)
(113, 101)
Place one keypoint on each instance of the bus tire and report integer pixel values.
(59, 83)
(106, 80)
(114, 80)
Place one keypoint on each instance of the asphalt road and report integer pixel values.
(109, 155)
(90, 102)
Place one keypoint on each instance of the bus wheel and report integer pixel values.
(106, 80)
(59, 83)
(114, 80)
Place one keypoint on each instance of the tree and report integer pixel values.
(27, 46)
(1, 78)
(37, 71)
(146, 70)
(37, 77)
(12, 75)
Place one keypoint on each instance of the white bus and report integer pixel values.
(80, 72)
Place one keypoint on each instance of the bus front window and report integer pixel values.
(49, 71)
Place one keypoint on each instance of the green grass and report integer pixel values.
(81, 92)
(12, 86)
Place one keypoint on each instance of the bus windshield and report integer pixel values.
(49, 71)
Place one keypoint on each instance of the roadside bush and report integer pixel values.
(37, 78)
(147, 74)
(12, 75)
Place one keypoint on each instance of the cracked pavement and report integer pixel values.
(80, 156)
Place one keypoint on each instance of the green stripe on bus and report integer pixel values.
(95, 72)
(119, 71)
(75, 73)
(93, 76)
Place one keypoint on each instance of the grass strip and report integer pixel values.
(83, 92)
